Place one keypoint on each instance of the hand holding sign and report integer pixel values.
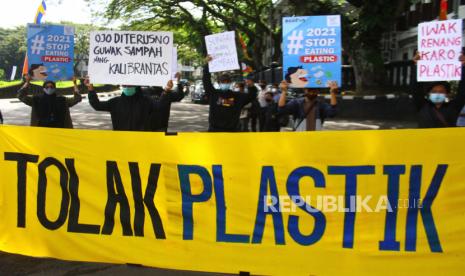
(284, 86)
(88, 84)
(169, 85)
(333, 87)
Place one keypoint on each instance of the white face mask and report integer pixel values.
(49, 91)
(225, 86)
(237, 89)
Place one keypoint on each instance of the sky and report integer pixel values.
(20, 12)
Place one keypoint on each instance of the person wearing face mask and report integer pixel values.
(272, 115)
(309, 111)
(225, 104)
(48, 108)
(132, 111)
(436, 110)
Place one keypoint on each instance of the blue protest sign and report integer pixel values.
(312, 50)
(50, 52)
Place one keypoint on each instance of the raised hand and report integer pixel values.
(283, 85)
(417, 57)
(333, 87)
(169, 85)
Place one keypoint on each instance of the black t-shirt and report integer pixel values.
(50, 110)
(225, 106)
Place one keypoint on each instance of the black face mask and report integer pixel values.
(269, 100)
(263, 86)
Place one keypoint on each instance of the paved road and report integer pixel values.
(184, 117)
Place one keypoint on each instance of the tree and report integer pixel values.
(367, 21)
(12, 48)
(81, 42)
(195, 19)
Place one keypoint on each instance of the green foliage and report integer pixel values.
(12, 48)
(192, 20)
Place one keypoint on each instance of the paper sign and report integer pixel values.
(222, 48)
(440, 46)
(312, 50)
(131, 58)
(50, 52)
(13, 73)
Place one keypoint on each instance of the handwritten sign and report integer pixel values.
(131, 58)
(312, 50)
(50, 52)
(440, 45)
(222, 48)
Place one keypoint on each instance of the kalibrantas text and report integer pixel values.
(148, 47)
(132, 221)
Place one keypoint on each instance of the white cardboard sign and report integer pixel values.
(131, 58)
(222, 48)
(440, 46)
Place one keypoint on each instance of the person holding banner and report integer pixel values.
(132, 111)
(160, 120)
(49, 109)
(308, 111)
(436, 111)
(225, 104)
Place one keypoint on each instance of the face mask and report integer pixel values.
(237, 90)
(49, 91)
(269, 100)
(274, 90)
(263, 86)
(437, 98)
(129, 91)
(225, 86)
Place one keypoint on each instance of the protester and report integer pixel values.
(309, 112)
(49, 109)
(437, 111)
(132, 111)
(272, 115)
(225, 104)
(159, 119)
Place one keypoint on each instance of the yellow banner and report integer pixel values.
(326, 203)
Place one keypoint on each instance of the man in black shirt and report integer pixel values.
(225, 104)
(131, 111)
